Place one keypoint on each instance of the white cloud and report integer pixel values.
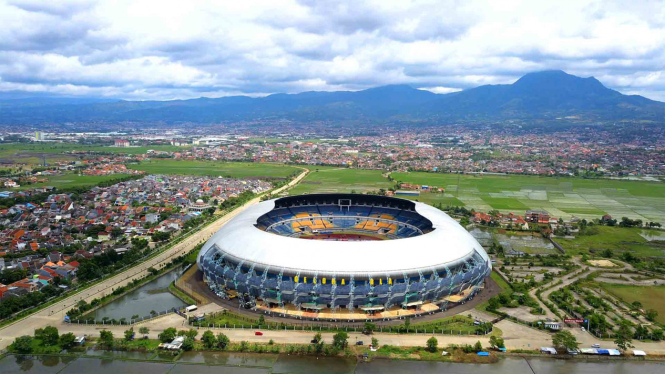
(173, 49)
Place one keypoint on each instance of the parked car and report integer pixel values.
(359, 342)
(258, 333)
(595, 346)
(314, 341)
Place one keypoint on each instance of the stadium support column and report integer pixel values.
(235, 282)
(250, 273)
(333, 298)
(279, 287)
(449, 274)
(352, 285)
(263, 281)
(387, 304)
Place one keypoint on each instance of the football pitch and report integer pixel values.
(561, 196)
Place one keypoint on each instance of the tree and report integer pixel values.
(369, 327)
(407, 323)
(129, 334)
(657, 334)
(493, 342)
(208, 339)
(478, 346)
(317, 337)
(262, 321)
(23, 344)
(144, 331)
(340, 340)
(375, 343)
(623, 338)
(191, 333)
(652, 314)
(168, 335)
(564, 339)
(67, 340)
(106, 338)
(432, 344)
(494, 303)
(222, 341)
(188, 344)
(48, 335)
(160, 236)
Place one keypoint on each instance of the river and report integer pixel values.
(151, 296)
(249, 363)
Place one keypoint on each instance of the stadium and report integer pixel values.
(344, 256)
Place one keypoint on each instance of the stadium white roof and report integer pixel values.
(447, 243)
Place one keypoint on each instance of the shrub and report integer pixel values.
(432, 344)
(23, 344)
(67, 340)
(167, 335)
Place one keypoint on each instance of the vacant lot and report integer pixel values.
(616, 239)
(651, 297)
(212, 168)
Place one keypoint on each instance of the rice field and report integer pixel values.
(214, 168)
(561, 197)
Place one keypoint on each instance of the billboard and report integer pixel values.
(574, 320)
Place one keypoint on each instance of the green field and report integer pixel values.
(71, 181)
(332, 179)
(617, 239)
(30, 153)
(561, 196)
(651, 297)
(435, 199)
(212, 168)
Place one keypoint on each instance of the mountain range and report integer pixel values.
(540, 95)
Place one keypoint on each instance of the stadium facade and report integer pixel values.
(343, 251)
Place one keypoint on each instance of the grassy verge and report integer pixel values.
(455, 354)
(181, 295)
(505, 289)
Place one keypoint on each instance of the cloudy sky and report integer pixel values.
(182, 49)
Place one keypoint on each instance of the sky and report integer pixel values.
(162, 50)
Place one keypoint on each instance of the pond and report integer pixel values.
(151, 296)
(652, 235)
(514, 243)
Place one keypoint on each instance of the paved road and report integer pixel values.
(55, 314)
(516, 336)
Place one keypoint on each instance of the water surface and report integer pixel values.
(151, 296)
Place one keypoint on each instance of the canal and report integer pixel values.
(151, 296)
(249, 363)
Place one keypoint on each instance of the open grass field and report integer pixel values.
(330, 179)
(651, 297)
(71, 181)
(30, 153)
(561, 196)
(212, 168)
(617, 239)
